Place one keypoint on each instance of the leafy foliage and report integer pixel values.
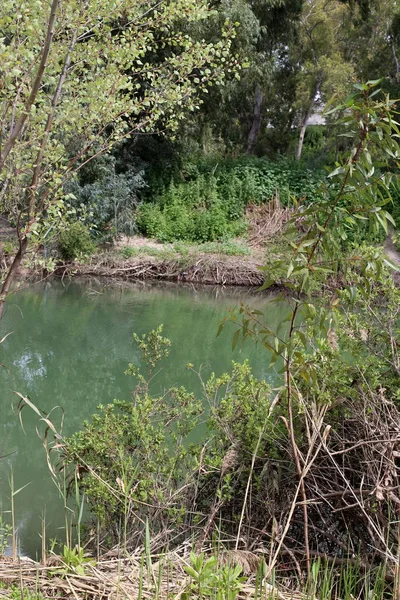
(334, 357)
(75, 241)
(5, 535)
(79, 80)
(136, 458)
(210, 580)
(209, 204)
(74, 561)
(105, 198)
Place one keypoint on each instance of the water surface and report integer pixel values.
(70, 345)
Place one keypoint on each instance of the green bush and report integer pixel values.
(242, 181)
(208, 202)
(143, 461)
(151, 221)
(179, 222)
(106, 198)
(75, 241)
(209, 225)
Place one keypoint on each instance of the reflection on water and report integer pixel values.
(69, 347)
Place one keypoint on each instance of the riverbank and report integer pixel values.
(192, 266)
(229, 575)
(240, 262)
(233, 263)
(227, 263)
(182, 574)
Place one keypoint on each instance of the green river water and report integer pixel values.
(69, 347)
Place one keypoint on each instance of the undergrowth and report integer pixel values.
(228, 248)
(209, 201)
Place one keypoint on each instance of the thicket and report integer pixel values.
(208, 199)
(145, 446)
(75, 241)
(104, 195)
(147, 459)
(199, 199)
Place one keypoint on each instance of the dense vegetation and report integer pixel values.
(174, 122)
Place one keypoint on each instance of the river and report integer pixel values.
(69, 346)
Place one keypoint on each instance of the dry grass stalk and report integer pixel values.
(121, 578)
(266, 221)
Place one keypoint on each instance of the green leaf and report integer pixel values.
(191, 572)
(267, 284)
(235, 338)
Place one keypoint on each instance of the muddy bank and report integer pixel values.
(200, 269)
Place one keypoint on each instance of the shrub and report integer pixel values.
(75, 241)
(178, 222)
(209, 225)
(105, 197)
(151, 221)
(142, 460)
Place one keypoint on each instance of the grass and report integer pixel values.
(184, 249)
(222, 575)
(16, 592)
(164, 253)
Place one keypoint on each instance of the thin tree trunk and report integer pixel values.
(23, 240)
(49, 123)
(257, 119)
(12, 272)
(303, 128)
(16, 131)
(307, 114)
(396, 62)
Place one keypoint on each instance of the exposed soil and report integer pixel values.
(391, 251)
(197, 268)
(394, 255)
(137, 242)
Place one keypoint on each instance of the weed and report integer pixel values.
(75, 241)
(210, 580)
(229, 248)
(5, 535)
(14, 592)
(185, 249)
(74, 561)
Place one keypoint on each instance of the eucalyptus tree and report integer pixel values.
(78, 77)
(373, 41)
(271, 65)
(234, 115)
(323, 70)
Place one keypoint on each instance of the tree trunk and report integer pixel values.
(396, 62)
(307, 114)
(23, 245)
(257, 118)
(17, 129)
(12, 272)
(303, 127)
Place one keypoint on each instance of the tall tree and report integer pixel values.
(234, 116)
(373, 34)
(323, 70)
